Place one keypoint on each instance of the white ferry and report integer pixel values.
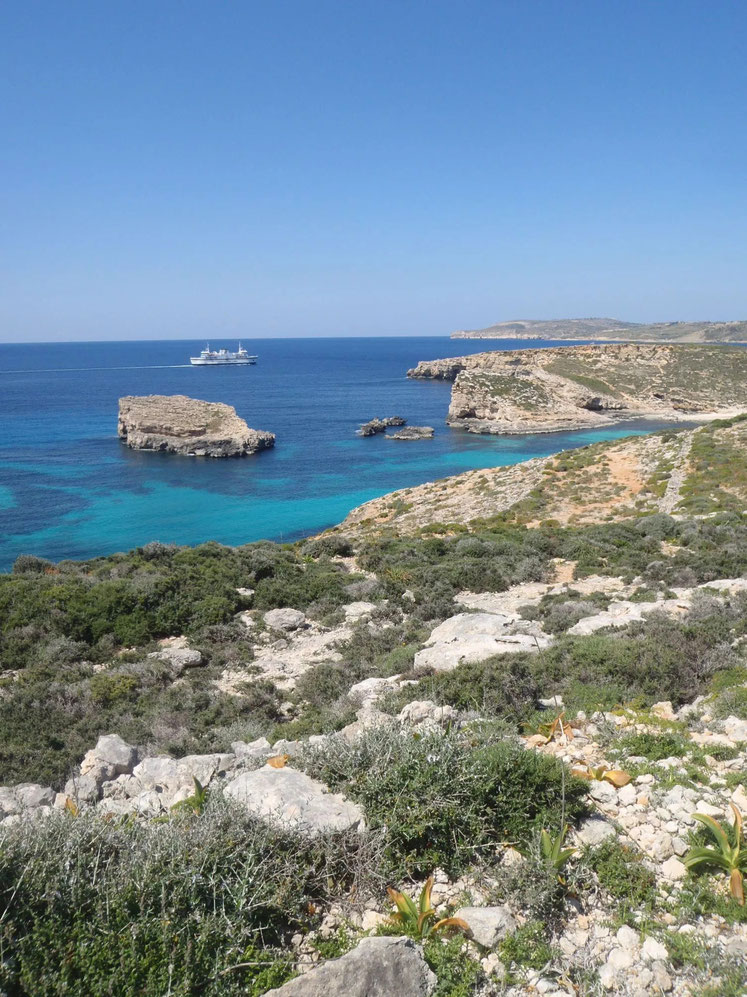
(208, 357)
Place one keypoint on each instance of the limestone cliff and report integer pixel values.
(574, 387)
(611, 329)
(683, 472)
(178, 424)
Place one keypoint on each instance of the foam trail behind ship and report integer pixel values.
(65, 370)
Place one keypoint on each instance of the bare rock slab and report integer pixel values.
(473, 637)
(378, 967)
(292, 797)
(178, 424)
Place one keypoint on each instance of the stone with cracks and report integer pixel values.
(473, 637)
(377, 967)
(112, 751)
(292, 797)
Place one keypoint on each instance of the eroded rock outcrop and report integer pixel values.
(375, 426)
(574, 387)
(178, 424)
(412, 433)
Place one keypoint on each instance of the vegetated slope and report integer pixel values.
(611, 329)
(572, 387)
(686, 472)
(449, 761)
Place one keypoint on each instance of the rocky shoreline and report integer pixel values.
(579, 387)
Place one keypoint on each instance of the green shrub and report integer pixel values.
(623, 876)
(442, 798)
(499, 687)
(655, 747)
(195, 906)
(457, 971)
(527, 946)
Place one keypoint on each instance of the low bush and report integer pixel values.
(198, 905)
(655, 747)
(442, 799)
(499, 687)
(623, 876)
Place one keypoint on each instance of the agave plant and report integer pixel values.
(552, 849)
(556, 729)
(616, 777)
(419, 920)
(196, 802)
(725, 856)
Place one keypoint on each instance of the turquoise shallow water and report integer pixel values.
(69, 489)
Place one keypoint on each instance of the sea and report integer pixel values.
(69, 489)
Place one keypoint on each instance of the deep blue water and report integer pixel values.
(70, 489)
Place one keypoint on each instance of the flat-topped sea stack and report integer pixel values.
(578, 387)
(178, 424)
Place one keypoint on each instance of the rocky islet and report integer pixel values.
(182, 425)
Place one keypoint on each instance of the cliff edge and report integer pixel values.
(577, 387)
(178, 424)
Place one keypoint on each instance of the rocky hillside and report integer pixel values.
(178, 424)
(574, 387)
(683, 472)
(216, 761)
(612, 329)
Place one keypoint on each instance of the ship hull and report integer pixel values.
(199, 362)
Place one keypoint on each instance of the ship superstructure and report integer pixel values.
(210, 358)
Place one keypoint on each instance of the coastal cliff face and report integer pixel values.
(178, 424)
(611, 329)
(683, 472)
(575, 387)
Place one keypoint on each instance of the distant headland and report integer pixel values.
(611, 329)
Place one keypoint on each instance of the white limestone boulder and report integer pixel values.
(292, 797)
(469, 637)
(377, 967)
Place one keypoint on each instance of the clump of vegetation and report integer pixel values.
(193, 905)
(623, 876)
(655, 747)
(527, 946)
(442, 799)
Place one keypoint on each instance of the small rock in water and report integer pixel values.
(412, 433)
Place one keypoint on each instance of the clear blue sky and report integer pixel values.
(368, 167)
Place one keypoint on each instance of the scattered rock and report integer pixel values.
(488, 925)
(412, 433)
(178, 655)
(653, 950)
(284, 619)
(358, 610)
(673, 869)
(473, 637)
(375, 426)
(595, 830)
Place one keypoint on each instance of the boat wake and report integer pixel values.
(64, 370)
